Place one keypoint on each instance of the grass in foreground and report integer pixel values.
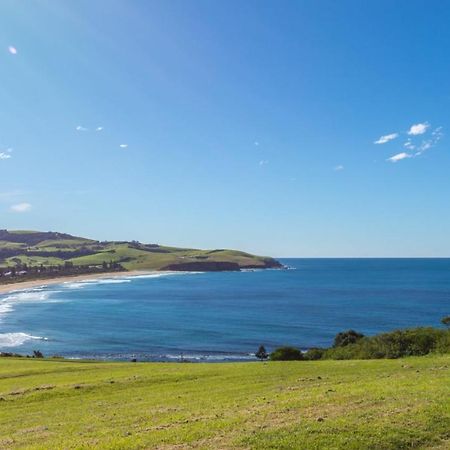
(376, 404)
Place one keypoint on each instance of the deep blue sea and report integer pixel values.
(227, 315)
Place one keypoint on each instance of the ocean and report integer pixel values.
(227, 315)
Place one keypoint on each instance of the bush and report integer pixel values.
(395, 344)
(443, 343)
(314, 353)
(347, 337)
(286, 354)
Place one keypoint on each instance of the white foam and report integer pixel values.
(17, 339)
(25, 296)
(113, 280)
(86, 283)
(162, 274)
(74, 285)
(31, 295)
(122, 279)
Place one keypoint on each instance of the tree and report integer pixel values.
(261, 353)
(446, 321)
(347, 337)
(286, 354)
(37, 354)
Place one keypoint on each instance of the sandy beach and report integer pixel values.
(6, 288)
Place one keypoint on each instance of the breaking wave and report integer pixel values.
(17, 339)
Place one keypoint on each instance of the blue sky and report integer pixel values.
(247, 125)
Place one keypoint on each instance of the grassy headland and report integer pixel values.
(33, 254)
(375, 404)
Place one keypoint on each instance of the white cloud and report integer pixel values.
(80, 128)
(263, 162)
(99, 129)
(418, 128)
(4, 155)
(399, 157)
(123, 145)
(426, 144)
(418, 148)
(12, 50)
(386, 138)
(21, 207)
(338, 168)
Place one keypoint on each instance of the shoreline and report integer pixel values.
(23, 285)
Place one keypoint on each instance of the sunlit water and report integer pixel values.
(225, 316)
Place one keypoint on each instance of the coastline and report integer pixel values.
(23, 285)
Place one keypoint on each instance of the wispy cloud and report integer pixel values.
(426, 144)
(263, 162)
(6, 154)
(21, 207)
(386, 138)
(418, 128)
(256, 143)
(437, 131)
(81, 128)
(10, 196)
(99, 129)
(399, 156)
(12, 50)
(123, 145)
(338, 168)
(413, 145)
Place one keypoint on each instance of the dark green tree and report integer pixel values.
(261, 353)
(446, 321)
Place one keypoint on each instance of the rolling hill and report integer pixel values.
(25, 249)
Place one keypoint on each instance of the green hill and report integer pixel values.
(351, 405)
(34, 248)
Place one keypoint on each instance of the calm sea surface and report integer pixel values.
(217, 316)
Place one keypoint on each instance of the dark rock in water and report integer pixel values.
(220, 266)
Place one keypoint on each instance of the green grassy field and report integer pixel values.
(376, 404)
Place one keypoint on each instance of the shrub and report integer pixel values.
(314, 353)
(286, 354)
(409, 342)
(37, 354)
(395, 344)
(443, 343)
(347, 337)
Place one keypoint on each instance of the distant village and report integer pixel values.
(22, 272)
